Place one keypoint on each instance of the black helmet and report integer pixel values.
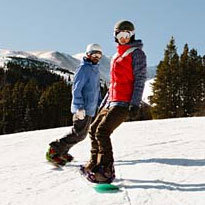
(124, 25)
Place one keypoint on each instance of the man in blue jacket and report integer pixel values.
(86, 98)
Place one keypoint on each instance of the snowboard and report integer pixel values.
(55, 164)
(98, 187)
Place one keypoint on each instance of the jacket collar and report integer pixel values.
(122, 48)
(95, 67)
(87, 61)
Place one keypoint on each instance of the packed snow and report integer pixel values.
(157, 162)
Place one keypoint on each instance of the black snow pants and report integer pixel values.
(78, 133)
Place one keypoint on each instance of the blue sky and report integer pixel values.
(69, 25)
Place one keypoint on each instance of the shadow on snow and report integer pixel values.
(175, 162)
(159, 184)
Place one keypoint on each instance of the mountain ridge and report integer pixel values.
(64, 61)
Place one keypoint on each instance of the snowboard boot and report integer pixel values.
(91, 165)
(53, 157)
(105, 174)
(90, 176)
(88, 170)
(99, 174)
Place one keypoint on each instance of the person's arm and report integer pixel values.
(80, 80)
(139, 70)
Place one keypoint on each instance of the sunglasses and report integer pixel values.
(96, 55)
(123, 34)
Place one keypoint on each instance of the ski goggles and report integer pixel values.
(96, 54)
(123, 34)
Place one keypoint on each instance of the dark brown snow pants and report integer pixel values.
(100, 130)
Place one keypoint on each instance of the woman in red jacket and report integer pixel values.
(127, 78)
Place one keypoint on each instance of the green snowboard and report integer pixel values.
(106, 188)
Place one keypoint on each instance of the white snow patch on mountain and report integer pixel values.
(147, 90)
(62, 60)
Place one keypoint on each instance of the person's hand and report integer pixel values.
(80, 114)
(133, 111)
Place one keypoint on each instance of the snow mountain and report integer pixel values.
(65, 65)
(54, 59)
(62, 61)
(157, 162)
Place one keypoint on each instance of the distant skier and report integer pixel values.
(127, 78)
(86, 98)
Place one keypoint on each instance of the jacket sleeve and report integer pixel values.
(79, 82)
(139, 70)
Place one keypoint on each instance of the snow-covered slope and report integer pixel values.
(157, 162)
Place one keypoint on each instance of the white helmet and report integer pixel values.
(93, 47)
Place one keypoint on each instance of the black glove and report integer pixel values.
(133, 111)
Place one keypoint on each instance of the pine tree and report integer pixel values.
(184, 88)
(192, 81)
(1, 113)
(197, 81)
(21, 86)
(2, 75)
(55, 106)
(7, 110)
(31, 97)
(179, 88)
(165, 99)
(200, 111)
(18, 106)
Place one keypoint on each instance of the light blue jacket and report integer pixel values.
(86, 88)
